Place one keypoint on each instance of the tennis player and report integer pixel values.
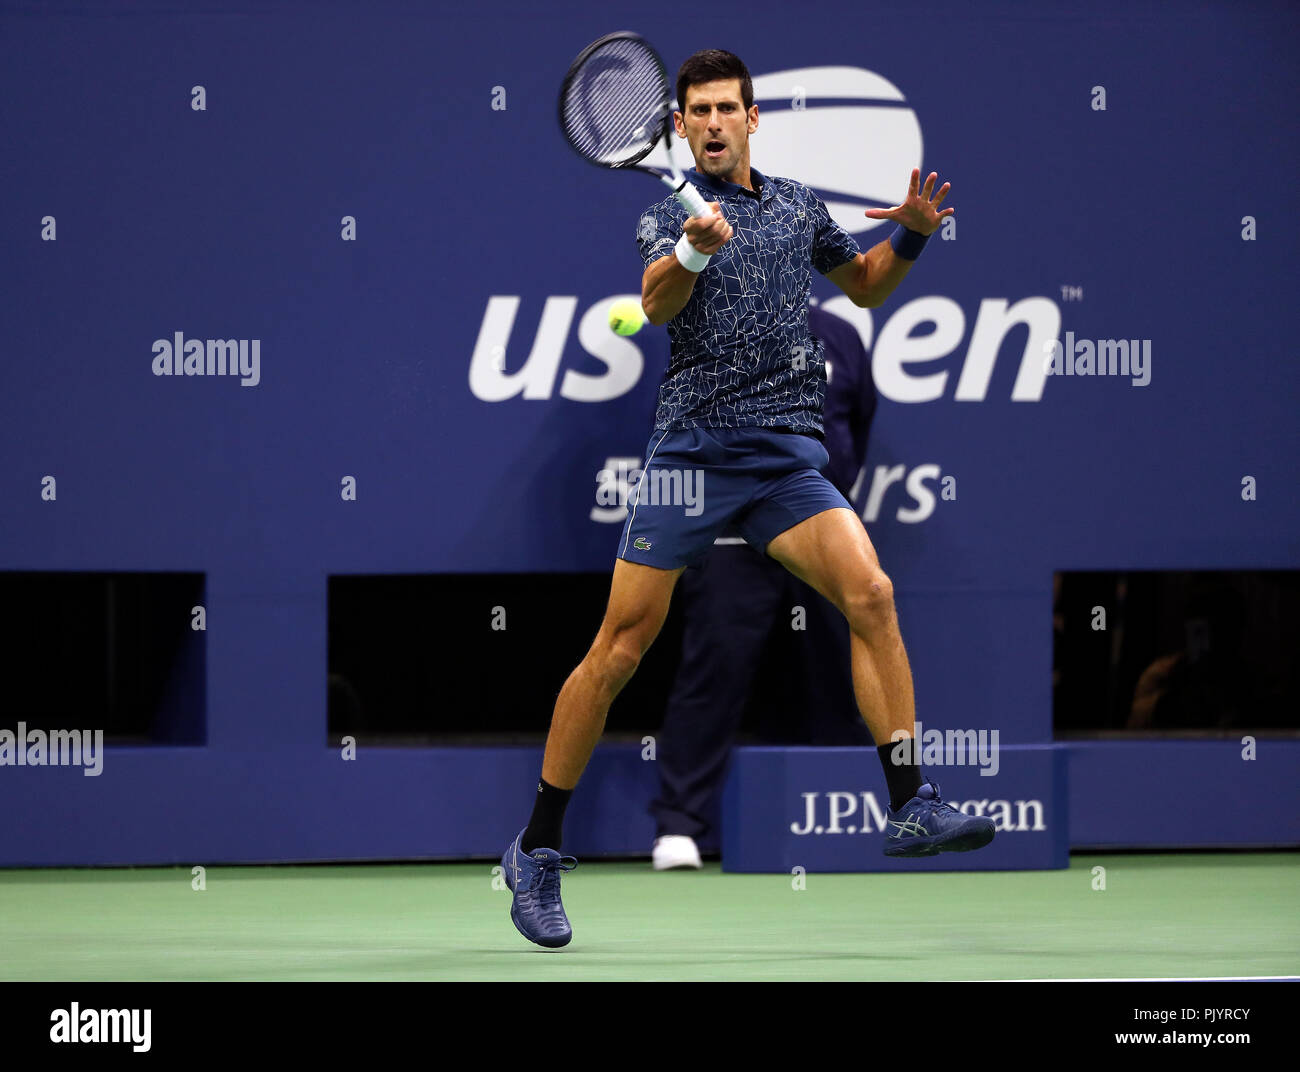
(738, 438)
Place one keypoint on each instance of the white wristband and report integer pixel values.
(690, 258)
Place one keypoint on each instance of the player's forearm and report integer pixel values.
(880, 272)
(665, 289)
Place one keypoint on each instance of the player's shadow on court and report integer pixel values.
(740, 957)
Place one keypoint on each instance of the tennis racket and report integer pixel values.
(615, 108)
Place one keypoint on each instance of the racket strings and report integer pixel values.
(615, 104)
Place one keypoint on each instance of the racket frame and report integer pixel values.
(687, 195)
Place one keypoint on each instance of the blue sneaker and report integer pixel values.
(534, 878)
(926, 826)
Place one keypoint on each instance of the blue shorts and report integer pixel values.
(698, 480)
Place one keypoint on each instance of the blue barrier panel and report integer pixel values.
(824, 809)
(210, 806)
(1231, 793)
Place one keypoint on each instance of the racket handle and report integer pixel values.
(689, 197)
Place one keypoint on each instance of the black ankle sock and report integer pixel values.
(544, 828)
(904, 779)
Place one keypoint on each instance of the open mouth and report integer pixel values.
(714, 149)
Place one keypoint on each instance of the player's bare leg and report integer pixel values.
(638, 604)
(832, 552)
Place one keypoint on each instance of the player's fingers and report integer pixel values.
(929, 185)
(720, 238)
(943, 192)
(699, 226)
(914, 182)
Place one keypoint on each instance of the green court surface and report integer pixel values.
(1159, 916)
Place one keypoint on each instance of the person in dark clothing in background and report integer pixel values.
(732, 602)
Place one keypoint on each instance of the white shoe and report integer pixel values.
(675, 851)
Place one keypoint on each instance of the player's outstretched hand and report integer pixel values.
(917, 213)
(708, 233)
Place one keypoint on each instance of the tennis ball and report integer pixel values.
(626, 317)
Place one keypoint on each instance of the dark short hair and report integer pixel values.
(710, 65)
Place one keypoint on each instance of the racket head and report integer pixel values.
(614, 105)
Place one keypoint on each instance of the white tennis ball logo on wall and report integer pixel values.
(853, 139)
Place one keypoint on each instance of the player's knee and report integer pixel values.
(619, 658)
(624, 658)
(870, 603)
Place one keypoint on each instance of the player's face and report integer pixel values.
(717, 127)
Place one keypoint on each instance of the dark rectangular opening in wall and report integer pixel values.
(104, 651)
(1207, 652)
(474, 658)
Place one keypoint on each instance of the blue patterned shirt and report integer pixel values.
(741, 352)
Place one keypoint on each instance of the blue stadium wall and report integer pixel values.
(377, 200)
